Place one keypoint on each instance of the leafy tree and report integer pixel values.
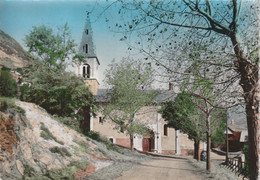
(183, 114)
(229, 27)
(57, 91)
(128, 81)
(53, 49)
(219, 137)
(8, 85)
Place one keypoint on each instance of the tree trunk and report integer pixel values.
(208, 151)
(250, 84)
(132, 142)
(208, 135)
(227, 144)
(196, 149)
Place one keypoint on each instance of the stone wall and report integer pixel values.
(123, 142)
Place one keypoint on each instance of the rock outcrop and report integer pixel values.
(12, 54)
(35, 144)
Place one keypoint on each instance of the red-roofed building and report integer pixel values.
(237, 137)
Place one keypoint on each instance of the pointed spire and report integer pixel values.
(87, 48)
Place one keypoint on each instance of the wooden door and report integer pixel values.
(146, 144)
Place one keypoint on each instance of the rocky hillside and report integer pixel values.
(12, 54)
(35, 145)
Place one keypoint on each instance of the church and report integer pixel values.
(161, 138)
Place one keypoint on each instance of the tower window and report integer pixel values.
(86, 48)
(86, 71)
(86, 31)
(165, 130)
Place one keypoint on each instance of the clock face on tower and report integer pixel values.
(86, 31)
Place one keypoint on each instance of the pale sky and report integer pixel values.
(18, 16)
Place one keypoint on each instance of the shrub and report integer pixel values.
(25, 92)
(46, 134)
(28, 171)
(245, 170)
(60, 150)
(109, 145)
(57, 91)
(6, 102)
(8, 85)
(66, 173)
(83, 147)
(3, 105)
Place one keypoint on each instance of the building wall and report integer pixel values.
(168, 142)
(107, 128)
(148, 115)
(92, 84)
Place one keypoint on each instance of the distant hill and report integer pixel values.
(12, 54)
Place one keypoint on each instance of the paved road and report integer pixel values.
(162, 168)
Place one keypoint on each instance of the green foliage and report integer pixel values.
(218, 116)
(137, 128)
(82, 147)
(97, 137)
(60, 150)
(57, 91)
(52, 48)
(6, 103)
(61, 174)
(219, 137)
(128, 79)
(3, 105)
(245, 170)
(7, 84)
(177, 114)
(71, 122)
(19, 70)
(46, 134)
(28, 172)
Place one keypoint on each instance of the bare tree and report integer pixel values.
(231, 26)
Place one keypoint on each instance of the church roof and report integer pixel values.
(87, 42)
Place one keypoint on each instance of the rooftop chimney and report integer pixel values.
(170, 86)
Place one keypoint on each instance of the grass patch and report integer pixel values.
(70, 122)
(62, 174)
(100, 150)
(28, 171)
(75, 124)
(82, 147)
(109, 145)
(7, 102)
(60, 150)
(46, 134)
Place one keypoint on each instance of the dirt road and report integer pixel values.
(161, 168)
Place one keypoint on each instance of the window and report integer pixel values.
(86, 49)
(111, 140)
(165, 130)
(100, 120)
(86, 71)
(86, 31)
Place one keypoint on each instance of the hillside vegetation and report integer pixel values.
(42, 138)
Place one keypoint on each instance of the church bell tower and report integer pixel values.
(89, 68)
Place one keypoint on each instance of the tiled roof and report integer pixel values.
(236, 128)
